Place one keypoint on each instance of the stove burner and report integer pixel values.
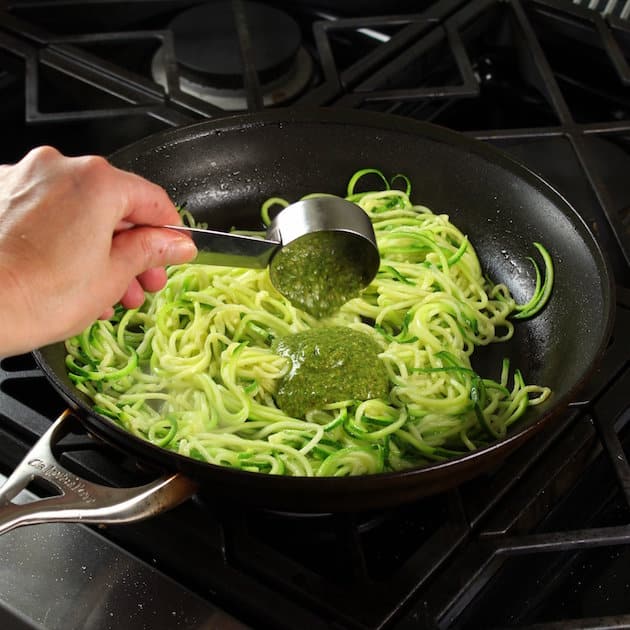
(209, 59)
(206, 43)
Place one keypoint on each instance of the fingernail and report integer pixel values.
(180, 250)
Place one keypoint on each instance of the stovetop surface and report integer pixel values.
(540, 542)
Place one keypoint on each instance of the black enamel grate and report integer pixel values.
(540, 542)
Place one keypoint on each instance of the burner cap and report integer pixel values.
(207, 47)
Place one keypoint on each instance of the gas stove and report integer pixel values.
(542, 541)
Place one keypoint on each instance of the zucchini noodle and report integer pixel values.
(193, 370)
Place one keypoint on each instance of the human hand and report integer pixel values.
(66, 251)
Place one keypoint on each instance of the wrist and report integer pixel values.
(16, 336)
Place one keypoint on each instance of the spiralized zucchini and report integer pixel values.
(193, 371)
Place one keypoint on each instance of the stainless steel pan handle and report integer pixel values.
(81, 500)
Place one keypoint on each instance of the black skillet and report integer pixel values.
(223, 169)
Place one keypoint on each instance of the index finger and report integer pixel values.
(144, 203)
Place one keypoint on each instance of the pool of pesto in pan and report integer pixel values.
(318, 272)
(329, 364)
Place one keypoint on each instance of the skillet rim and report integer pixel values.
(103, 427)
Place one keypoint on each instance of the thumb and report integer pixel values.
(135, 250)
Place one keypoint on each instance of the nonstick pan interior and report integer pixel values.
(224, 169)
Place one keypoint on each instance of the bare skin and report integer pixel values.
(67, 253)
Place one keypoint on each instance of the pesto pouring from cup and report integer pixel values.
(321, 251)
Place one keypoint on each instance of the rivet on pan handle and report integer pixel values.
(81, 500)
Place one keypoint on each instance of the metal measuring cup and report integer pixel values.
(321, 252)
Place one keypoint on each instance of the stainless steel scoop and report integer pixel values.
(321, 251)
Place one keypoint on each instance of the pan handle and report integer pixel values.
(81, 500)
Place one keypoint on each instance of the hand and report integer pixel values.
(67, 253)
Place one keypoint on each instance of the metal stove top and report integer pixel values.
(542, 541)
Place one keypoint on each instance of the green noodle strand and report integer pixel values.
(192, 370)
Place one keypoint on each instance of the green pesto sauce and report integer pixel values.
(329, 364)
(318, 272)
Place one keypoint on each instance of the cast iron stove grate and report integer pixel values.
(540, 542)
(505, 548)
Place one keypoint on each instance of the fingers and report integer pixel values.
(143, 252)
(153, 279)
(130, 198)
(146, 252)
(145, 203)
(133, 296)
(150, 280)
(136, 250)
(140, 252)
(108, 313)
